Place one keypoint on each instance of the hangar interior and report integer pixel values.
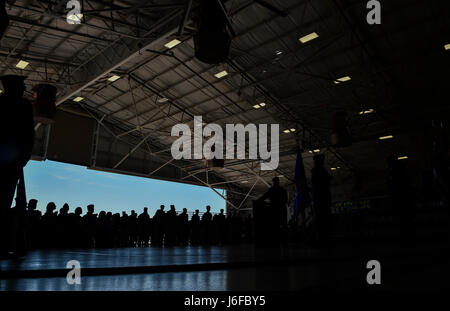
(397, 70)
(128, 73)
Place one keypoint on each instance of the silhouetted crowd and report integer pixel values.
(65, 229)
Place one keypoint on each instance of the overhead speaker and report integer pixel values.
(212, 40)
(340, 134)
(215, 164)
(44, 103)
(4, 20)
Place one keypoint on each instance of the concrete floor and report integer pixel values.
(240, 267)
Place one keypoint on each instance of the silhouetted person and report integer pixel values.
(32, 224)
(277, 196)
(183, 228)
(124, 230)
(117, 242)
(49, 221)
(219, 223)
(133, 228)
(101, 228)
(248, 229)
(401, 196)
(207, 228)
(62, 226)
(76, 228)
(16, 144)
(90, 223)
(144, 228)
(158, 227)
(195, 228)
(171, 226)
(236, 228)
(321, 197)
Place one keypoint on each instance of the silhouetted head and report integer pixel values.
(208, 208)
(172, 207)
(65, 207)
(13, 85)
(161, 207)
(221, 210)
(133, 212)
(51, 207)
(90, 208)
(124, 214)
(32, 204)
(78, 211)
(196, 212)
(102, 214)
(319, 160)
(184, 210)
(145, 210)
(276, 181)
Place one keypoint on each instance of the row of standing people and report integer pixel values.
(66, 229)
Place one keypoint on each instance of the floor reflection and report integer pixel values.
(342, 268)
(185, 281)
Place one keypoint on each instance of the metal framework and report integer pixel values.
(160, 87)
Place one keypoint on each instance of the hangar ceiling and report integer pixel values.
(398, 77)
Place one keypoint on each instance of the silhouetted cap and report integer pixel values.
(12, 80)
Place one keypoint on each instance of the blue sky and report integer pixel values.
(78, 186)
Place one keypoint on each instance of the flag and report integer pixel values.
(301, 198)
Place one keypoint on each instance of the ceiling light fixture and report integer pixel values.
(172, 43)
(386, 137)
(256, 106)
(22, 64)
(309, 37)
(293, 130)
(367, 111)
(78, 99)
(75, 17)
(343, 79)
(162, 100)
(113, 78)
(447, 47)
(402, 158)
(286, 131)
(221, 74)
(262, 104)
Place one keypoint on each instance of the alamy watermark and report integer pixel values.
(374, 15)
(216, 147)
(74, 15)
(74, 275)
(374, 275)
